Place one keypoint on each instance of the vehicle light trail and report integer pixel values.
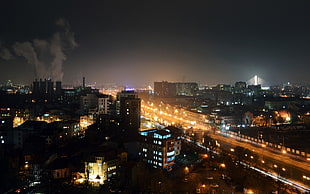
(270, 174)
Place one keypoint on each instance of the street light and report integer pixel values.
(186, 170)
(159, 184)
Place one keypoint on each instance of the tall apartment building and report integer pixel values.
(128, 106)
(159, 148)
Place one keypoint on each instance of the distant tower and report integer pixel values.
(43, 87)
(58, 88)
(255, 80)
(128, 105)
(50, 89)
(83, 82)
(36, 87)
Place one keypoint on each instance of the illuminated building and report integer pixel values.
(159, 148)
(93, 103)
(125, 94)
(6, 118)
(240, 87)
(103, 104)
(254, 90)
(70, 128)
(222, 87)
(101, 169)
(86, 120)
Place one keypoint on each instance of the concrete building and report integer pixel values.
(93, 103)
(240, 87)
(128, 106)
(101, 169)
(159, 148)
(167, 89)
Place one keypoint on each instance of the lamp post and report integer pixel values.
(279, 170)
(159, 184)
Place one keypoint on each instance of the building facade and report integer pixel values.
(159, 148)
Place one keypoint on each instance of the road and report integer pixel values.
(297, 170)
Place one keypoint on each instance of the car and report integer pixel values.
(214, 185)
(210, 178)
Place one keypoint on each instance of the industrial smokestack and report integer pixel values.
(83, 82)
(58, 88)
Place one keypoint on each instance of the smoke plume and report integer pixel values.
(47, 56)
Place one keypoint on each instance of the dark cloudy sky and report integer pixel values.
(134, 43)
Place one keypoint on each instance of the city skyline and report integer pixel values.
(136, 43)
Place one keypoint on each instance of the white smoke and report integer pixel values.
(47, 56)
(59, 57)
(26, 50)
(68, 36)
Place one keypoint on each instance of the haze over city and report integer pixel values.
(112, 96)
(134, 43)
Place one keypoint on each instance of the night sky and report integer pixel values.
(135, 43)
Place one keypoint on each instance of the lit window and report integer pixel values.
(170, 153)
(170, 159)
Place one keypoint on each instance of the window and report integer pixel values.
(170, 159)
(170, 153)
